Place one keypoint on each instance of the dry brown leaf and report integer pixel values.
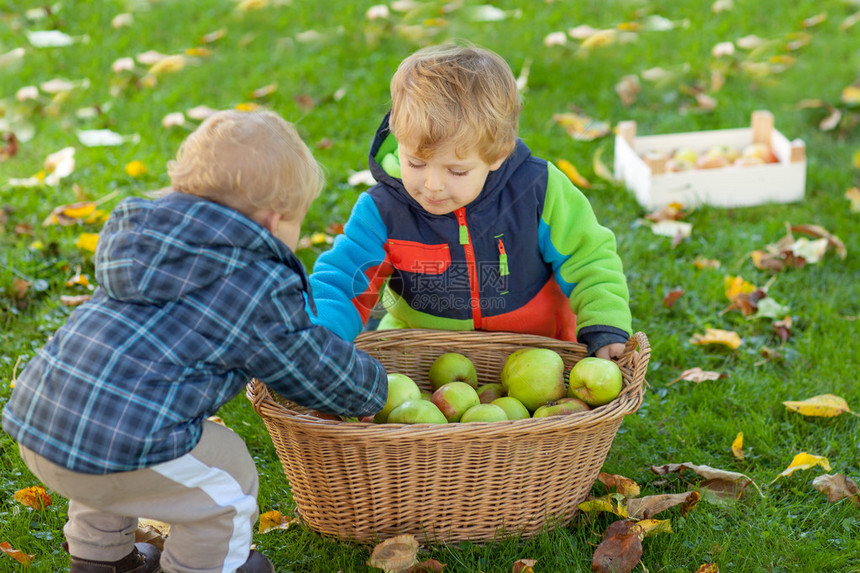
(820, 232)
(74, 300)
(16, 554)
(395, 554)
(837, 486)
(650, 505)
(671, 212)
(672, 296)
(703, 263)
(271, 520)
(698, 375)
(623, 485)
(581, 127)
(723, 483)
(620, 550)
(426, 566)
(151, 531)
(524, 565)
(628, 89)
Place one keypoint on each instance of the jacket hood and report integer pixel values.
(158, 251)
(385, 168)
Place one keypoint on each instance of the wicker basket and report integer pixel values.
(476, 481)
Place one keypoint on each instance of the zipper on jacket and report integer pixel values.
(503, 259)
(474, 288)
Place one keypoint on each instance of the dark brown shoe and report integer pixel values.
(257, 563)
(143, 559)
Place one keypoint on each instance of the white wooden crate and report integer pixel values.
(641, 165)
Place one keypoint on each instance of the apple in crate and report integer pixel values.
(595, 381)
(489, 392)
(484, 413)
(534, 376)
(416, 411)
(562, 407)
(452, 367)
(454, 398)
(400, 389)
(513, 408)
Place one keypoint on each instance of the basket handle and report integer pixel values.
(256, 392)
(638, 361)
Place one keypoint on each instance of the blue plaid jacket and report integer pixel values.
(193, 300)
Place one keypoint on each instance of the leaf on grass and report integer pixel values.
(702, 263)
(823, 405)
(16, 554)
(620, 550)
(698, 375)
(721, 482)
(708, 568)
(70, 214)
(650, 505)
(736, 286)
(672, 296)
(819, 231)
(87, 241)
(623, 485)
(59, 164)
(677, 230)
(600, 168)
(74, 300)
(738, 446)
(804, 461)
(524, 565)
(395, 554)
(135, 168)
(853, 195)
(671, 212)
(717, 336)
(271, 520)
(836, 487)
(104, 138)
(646, 527)
(151, 531)
(783, 328)
(610, 503)
(33, 496)
(573, 173)
(581, 127)
(427, 566)
(628, 89)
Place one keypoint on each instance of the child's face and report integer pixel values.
(445, 182)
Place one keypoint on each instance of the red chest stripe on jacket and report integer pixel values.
(376, 277)
(474, 287)
(414, 257)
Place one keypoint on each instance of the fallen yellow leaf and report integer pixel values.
(853, 195)
(804, 461)
(87, 241)
(824, 405)
(573, 174)
(600, 168)
(33, 496)
(274, 520)
(736, 286)
(646, 527)
(611, 503)
(135, 168)
(16, 554)
(716, 336)
(738, 446)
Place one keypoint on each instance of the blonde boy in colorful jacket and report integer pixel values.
(465, 229)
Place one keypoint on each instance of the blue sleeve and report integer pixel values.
(346, 279)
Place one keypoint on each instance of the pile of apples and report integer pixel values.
(531, 385)
(717, 156)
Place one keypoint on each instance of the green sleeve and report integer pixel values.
(583, 256)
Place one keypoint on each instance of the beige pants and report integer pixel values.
(208, 496)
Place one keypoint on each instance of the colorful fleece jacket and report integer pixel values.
(527, 255)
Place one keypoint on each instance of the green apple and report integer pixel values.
(454, 398)
(513, 408)
(426, 394)
(595, 381)
(534, 376)
(561, 407)
(484, 413)
(416, 411)
(452, 367)
(400, 389)
(489, 392)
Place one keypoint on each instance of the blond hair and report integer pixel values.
(462, 96)
(248, 161)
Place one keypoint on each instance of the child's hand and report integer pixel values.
(611, 351)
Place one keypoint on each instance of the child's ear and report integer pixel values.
(269, 219)
(498, 162)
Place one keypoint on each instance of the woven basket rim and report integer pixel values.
(628, 401)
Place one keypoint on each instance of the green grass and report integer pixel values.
(793, 528)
